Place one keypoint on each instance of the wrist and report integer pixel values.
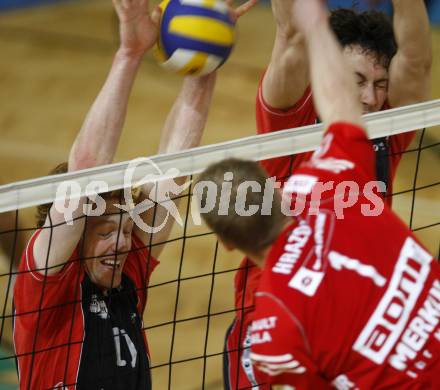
(129, 55)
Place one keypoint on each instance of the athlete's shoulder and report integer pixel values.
(269, 119)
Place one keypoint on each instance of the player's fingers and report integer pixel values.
(126, 3)
(242, 9)
(155, 15)
(118, 6)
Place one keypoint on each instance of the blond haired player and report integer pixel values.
(82, 290)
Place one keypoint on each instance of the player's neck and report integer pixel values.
(259, 258)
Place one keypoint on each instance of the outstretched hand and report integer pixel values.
(138, 28)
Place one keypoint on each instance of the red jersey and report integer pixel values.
(271, 119)
(50, 321)
(336, 308)
(302, 114)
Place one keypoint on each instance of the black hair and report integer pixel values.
(371, 30)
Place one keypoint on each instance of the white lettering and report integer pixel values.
(240, 202)
(341, 202)
(261, 338)
(376, 201)
(416, 335)
(67, 199)
(92, 192)
(225, 194)
(300, 184)
(131, 347)
(338, 261)
(402, 355)
(264, 324)
(388, 321)
(316, 197)
(293, 249)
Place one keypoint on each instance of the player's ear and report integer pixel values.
(226, 244)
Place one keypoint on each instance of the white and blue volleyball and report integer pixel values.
(196, 36)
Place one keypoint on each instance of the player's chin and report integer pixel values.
(109, 278)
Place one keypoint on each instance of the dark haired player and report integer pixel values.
(392, 69)
(82, 287)
(336, 306)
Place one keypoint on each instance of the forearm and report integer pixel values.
(286, 77)
(97, 141)
(334, 88)
(183, 129)
(186, 121)
(412, 31)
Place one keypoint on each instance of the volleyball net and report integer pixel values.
(190, 294)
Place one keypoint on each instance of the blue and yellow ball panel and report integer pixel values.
(196, 36)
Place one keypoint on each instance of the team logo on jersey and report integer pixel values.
(391, 316)
(341, 382)
(307, 281)
(310, 275)
(98, 307)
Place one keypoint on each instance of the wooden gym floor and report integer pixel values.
(54, 61)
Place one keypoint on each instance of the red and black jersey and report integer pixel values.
(388, 150)
(347, 300)
(67, 334)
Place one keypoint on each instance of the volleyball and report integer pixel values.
(196, 36)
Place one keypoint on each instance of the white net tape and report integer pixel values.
(281, 143)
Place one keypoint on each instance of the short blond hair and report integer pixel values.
(251, 233)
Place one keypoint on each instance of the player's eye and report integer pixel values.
(105, 234)
(382, 85)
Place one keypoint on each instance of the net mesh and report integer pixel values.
(190, 294)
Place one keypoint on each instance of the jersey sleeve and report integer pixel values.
(45, 297)
(345, 154)
(270, 119)
(279, 348)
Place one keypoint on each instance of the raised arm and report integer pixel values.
(334, 88)
(410, 69)
(287, 75)
(98, 138)
(183, 129)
